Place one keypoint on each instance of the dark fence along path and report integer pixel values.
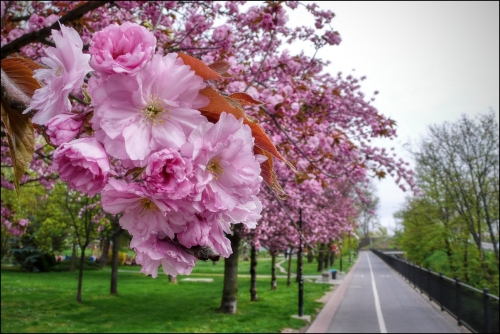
(473, 308)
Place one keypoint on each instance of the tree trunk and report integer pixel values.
(172, 279)
(80, 276)
(245, 253)
(310, 256)
(103, 260)
(289, 271)
(114, 259)
(321, 260)
(449, 254)
(466, 263)
(73, 259)
(332, 259)
(326, 258)
(230, 290)
(253, 275)
(273, 271)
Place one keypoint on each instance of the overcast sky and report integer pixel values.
(430, 61)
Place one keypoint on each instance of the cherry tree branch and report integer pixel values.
(297, 147)
(291, 219)
(39, 35)
(261, 63)
(159, 17)
(182, 40)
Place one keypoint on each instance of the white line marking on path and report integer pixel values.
(380, 317)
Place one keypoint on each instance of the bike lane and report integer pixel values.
(378, 300)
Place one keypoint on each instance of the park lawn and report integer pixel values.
(217, 269)
(45, 302)
(263, 266)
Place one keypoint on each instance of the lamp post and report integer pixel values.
(299, 273)
(349, 245)
(340, 244)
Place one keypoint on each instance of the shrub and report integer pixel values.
(122, 257)
(87, 265)
(31, 259)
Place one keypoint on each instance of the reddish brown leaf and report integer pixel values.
(20, 74)
(27, 62)
(268, 174)
(220, 67)
(21, 138)
(245, 100)
(199, 67)
(262, 145)
(219, 104)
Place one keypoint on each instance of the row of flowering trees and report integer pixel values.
(186, 147)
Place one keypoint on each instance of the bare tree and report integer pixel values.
(367, 218)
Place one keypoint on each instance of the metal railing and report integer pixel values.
(475, 309)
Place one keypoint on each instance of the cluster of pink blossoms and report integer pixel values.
(9, 227)
(196, 177)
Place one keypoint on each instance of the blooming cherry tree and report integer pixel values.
(198, 175)
(181, 137)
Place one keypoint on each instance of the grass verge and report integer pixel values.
(45, 302)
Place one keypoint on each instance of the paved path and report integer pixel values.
(375, 299)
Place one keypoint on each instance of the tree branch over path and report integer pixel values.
(298, 148)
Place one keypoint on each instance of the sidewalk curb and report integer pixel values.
(325, 316)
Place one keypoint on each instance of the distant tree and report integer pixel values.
(49, 224)
(457, 172)
(463, 158)
(86, 214)
(367, 217)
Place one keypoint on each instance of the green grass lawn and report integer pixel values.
(263, 266)
(45, 302)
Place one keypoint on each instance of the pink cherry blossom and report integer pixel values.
(153, 251)
(122, 48)
(143, 213)
(16, 229)
(201, 232)
(154, 109)
(168, 173)
(68, 66)
(227, 171)
(63, 128)
(83, 164)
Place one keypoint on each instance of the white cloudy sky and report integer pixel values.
(431, 62)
